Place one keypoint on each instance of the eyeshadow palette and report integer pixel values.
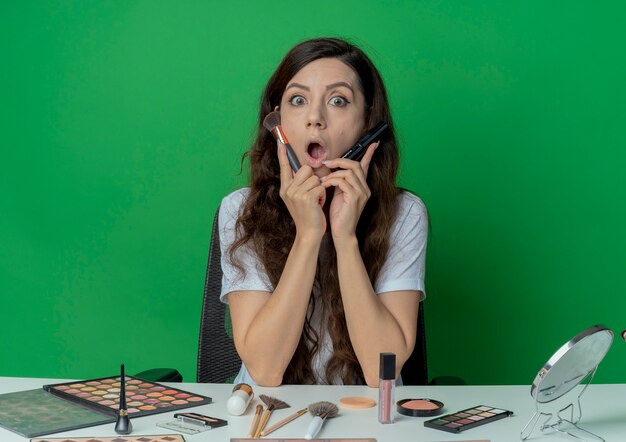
(142, 397)
(158, 438)
(468, 418)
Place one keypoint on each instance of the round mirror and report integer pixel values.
(571, 363)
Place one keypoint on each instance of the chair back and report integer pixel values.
(218, 360)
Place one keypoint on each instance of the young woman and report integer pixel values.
(323, 268)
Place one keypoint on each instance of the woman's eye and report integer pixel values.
(297, 100)
(338, 101)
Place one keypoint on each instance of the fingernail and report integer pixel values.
(325, 162)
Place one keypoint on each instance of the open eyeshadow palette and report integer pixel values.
(158, 438)
(468, 418)
(142, 397)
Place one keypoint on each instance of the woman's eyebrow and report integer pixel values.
(338, 84)
(298, 85)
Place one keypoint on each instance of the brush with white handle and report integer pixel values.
(320, 411)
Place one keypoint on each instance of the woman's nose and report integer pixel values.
(316, 116)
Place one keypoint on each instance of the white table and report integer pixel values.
(604, 408)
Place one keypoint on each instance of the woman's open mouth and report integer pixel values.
(315, 154)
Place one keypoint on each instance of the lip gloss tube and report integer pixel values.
(386, 388)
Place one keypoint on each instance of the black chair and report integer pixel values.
(218, 360)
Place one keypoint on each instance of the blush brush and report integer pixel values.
(272, 123)
(320, 411)
(272, 404)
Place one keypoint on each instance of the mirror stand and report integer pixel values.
(556, 422)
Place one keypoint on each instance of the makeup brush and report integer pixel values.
(272, 123)
(123, 424)
(272, 404)
(320, 411)
(255, 420)
(283, 422)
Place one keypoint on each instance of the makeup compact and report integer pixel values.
(419, 407)
(467, 419)
(575, 361)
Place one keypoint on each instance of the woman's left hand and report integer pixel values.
(351, 193)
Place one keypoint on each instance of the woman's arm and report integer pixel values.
(267, 326)
(376, 323)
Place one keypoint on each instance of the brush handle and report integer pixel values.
(293, 159)
(314, 428)
(283, 422)
(255, 421)
(261, 427)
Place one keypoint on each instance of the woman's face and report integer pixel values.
(322, 112)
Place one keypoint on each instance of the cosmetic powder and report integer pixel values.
(420, 407)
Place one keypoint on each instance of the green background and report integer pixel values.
(123, 124)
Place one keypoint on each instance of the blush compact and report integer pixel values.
(420, 407)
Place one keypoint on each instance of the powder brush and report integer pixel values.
(320, 411)
(272, 123)
(272, 404)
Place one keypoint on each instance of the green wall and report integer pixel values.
(123, 123)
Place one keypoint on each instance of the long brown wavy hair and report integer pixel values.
(265, 222)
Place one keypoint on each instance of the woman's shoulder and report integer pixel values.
(409, 203)
(233, 202)
(236, 197)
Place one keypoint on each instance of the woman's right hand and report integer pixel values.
(303, 195)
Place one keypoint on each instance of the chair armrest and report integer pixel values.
(160, 375)
(447, 380)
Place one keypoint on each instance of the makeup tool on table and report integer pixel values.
(283, 422)
(239, 400)
(356, 152)
(272, 123)
(193, 423)
(386, 387)
(467, 419)
(123, 425)
(356, 402)
(272, 404)
(255, 420)
(419, 407)
(578, 359)
(321, 411)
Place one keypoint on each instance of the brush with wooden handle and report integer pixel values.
(272, 404)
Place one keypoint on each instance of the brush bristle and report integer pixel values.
(272, 120)
(273, 403)
(323, 407)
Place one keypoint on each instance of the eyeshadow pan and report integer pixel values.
(483, 408)
(486, 414)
